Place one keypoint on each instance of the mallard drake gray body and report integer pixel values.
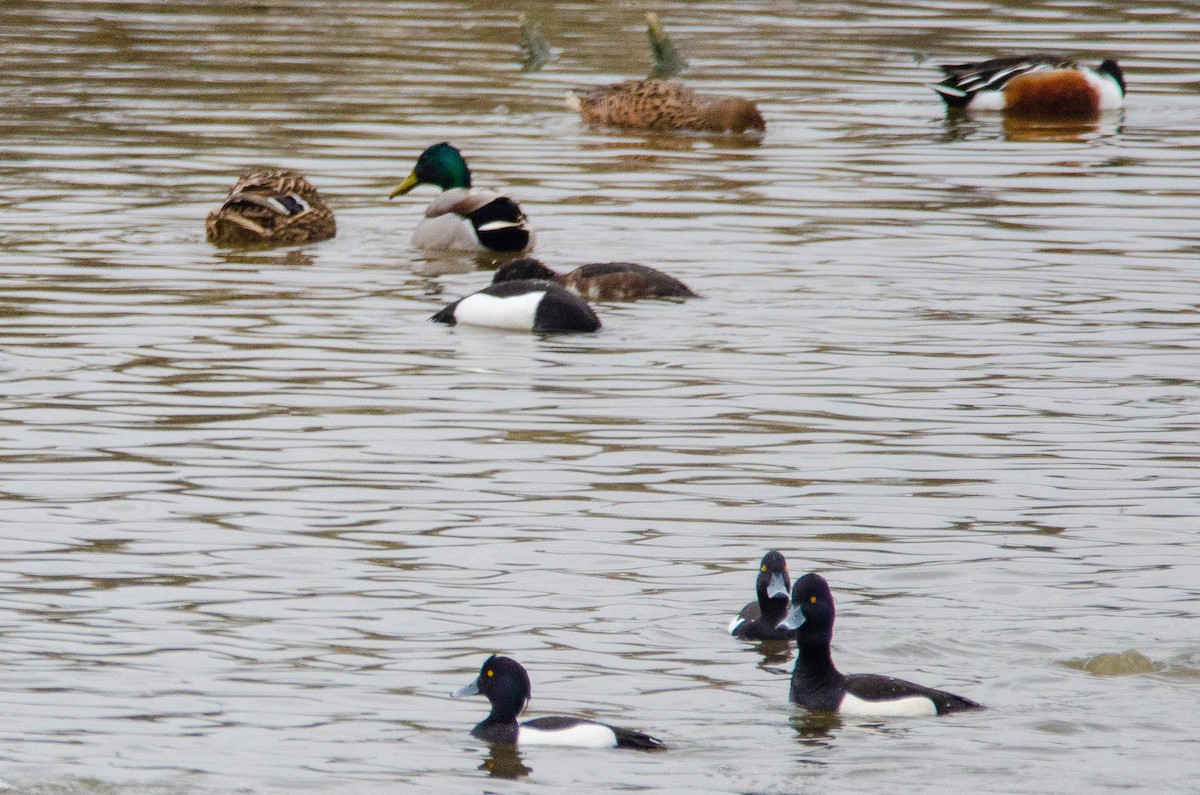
(270, 208)
(462, 219)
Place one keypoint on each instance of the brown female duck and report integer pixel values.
(270, 208)
(665, 105)
(600, 281)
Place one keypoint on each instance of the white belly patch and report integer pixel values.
(585, 735)
(511, 312)
(909, 707)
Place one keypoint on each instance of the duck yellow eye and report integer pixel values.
(812, 600)
(489, 673)
(762, 568)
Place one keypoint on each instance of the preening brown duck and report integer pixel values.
(270, 208)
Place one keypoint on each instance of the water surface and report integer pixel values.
(260, 516)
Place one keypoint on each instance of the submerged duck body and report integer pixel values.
(665, 105)
(601, 281)
(760, 619)
(270, 208)
(505, 684)
(462, 218)
(819, 686)
(1034, 86)
(522, 305)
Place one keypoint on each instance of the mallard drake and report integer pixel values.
(522, 305)
(665, 105)
(1034, 86)
(600, 281)
(270, 208)
(462, 219)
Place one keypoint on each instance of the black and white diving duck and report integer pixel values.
(522, 305)
(760, 620)
(819, 686)
(505, 683)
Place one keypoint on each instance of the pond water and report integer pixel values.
(260, 516)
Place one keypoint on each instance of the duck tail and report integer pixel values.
(668, 62)
(953, 97)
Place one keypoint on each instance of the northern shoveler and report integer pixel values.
(1035, 86)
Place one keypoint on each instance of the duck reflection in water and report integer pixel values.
(961, 126)
(504, 761)
(817, 729)
(774, 653)
(1019, 130)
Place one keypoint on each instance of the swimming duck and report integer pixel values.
(819, 686)
(505, 683)
(1034, 86)
(600, 281)
(665, 105)
(270, 208)
(760, 620)
(462, 219)
(522, 305)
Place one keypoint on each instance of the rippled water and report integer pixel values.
(260, 517)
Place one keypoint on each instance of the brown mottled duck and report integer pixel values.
(270, 208)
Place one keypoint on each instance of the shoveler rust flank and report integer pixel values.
(270, 208)
(1034, 86)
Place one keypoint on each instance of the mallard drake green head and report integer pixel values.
(270, 208)
(441, 165)
(462, 219)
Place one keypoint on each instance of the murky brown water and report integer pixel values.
(260, 517)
